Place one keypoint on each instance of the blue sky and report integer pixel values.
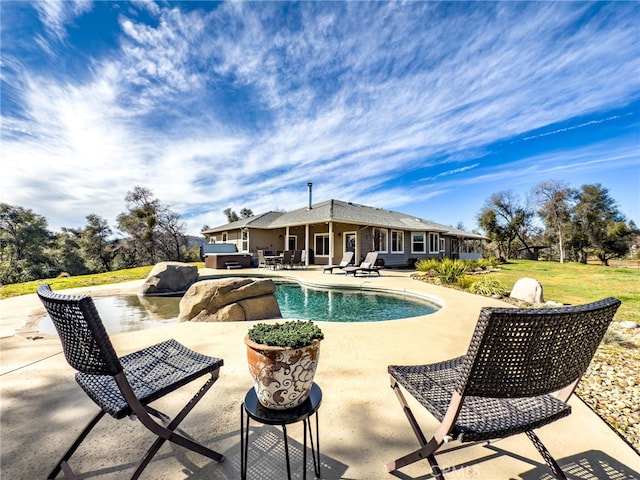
(421, 107)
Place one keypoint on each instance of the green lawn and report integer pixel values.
(61, 283)
(575, 283)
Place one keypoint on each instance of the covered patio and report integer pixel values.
(362, 426)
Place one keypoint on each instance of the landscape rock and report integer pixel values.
(528, 290)
(230, 300)
(169, 277)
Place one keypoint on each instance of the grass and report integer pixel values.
(139, 273)
(575, 283)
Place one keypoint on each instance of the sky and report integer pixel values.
(426, 108)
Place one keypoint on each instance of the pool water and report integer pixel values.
(126, 313)
(333, 305)
(129, 313)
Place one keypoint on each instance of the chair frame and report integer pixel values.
(79, 325)
(519, 359)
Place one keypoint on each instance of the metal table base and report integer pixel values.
(301, 413)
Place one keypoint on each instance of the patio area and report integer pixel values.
(362, 426)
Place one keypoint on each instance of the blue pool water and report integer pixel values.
(127, 313)
(333, 305)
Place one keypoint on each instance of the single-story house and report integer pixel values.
(326, 230)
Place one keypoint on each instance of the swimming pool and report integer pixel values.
(126, 313)
(339, 305)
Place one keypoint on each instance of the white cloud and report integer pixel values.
(57, 14)
(241, 106)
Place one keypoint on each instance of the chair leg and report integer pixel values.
(62, 463)
(427, 448)
(168, 432)
(553, 465)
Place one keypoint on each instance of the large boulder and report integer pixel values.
(230, 299)
(528, 290)
(169, 277)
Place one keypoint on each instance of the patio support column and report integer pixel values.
(331, 249)
(286, 238)
(306, 245)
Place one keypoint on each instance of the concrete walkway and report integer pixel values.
(362, 426)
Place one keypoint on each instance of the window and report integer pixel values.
(379, 240)
(245, 240)
(322, 245)
(397, 241)
(225, 236)
(418, 244)
(434, 243)
(292, 242)
(442, 245)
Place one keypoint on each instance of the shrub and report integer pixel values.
(464, 282)
(291, 334)
(450, 270)
(488, 263)
(487, 287)
(428, 265)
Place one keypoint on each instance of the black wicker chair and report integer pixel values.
(125, 386)
(518, 373)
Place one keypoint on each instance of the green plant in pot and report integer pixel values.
(282, 360)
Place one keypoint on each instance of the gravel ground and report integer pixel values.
(611, 386)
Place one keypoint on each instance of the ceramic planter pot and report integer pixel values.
(282, 377)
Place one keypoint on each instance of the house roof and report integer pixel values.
(342, 212)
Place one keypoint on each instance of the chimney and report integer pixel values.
(309, 186)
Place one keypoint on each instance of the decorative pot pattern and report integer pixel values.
(282, 377)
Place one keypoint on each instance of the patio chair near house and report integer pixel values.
(296, 261)
(287, 259)
(262, 261)
(346, 260)
(520, 369)
(266, 259)
(125, 386)
(368, 266)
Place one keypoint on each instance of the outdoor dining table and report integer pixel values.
(273, 261)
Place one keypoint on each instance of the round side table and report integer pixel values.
(267, 416)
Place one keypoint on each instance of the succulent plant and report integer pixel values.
(290, 334)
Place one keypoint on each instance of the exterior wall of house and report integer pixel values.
(272, 240)
(299, 234)
(275, 240)
(232, 236)
(402, 258)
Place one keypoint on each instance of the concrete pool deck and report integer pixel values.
(362, 426)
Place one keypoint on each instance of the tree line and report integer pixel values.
(571, 224)
(147, 232)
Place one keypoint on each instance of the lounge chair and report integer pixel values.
(124, 387)
(518, 373)
(346, 260)
(368, 266)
